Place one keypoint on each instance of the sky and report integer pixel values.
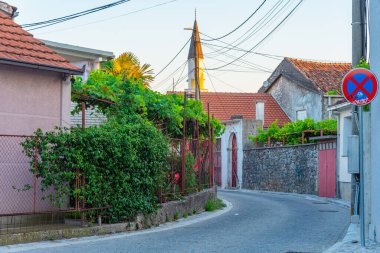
(317, 30)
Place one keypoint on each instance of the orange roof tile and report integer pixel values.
(19, 46)
(225, 104)
(325, 76)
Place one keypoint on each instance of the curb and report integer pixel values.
(350, 236)
(335, 201)
(74, 241)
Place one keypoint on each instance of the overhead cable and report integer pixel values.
(234, 30)
(261, 41)
(113, 17)
(167, 65)
(42, 24)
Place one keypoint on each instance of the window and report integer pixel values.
(301, 115)
(260, 111)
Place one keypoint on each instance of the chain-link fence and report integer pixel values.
(24, 206)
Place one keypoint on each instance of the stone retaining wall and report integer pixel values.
(170, 211)
(282, 169)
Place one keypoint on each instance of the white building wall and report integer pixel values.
(344, 176)
(375, 117)
(292, 98)
(236, 127)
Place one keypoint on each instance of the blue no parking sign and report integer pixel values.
(360, 86)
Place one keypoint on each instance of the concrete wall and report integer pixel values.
(232, 127)
(375, 118)
(242, 128)
(329, 100)
(31, 99)
(292, 98)
(343, 177)
(282, 169)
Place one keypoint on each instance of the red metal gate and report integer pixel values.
(234, 161)
(218, 162)
(327, 169)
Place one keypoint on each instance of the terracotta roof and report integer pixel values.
(325, 76)
(18, 46)
(225, 104)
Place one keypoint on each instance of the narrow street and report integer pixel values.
(258, 222)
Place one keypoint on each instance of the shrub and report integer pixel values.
(121, 160)
(214, 204)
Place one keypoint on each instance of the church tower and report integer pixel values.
(195, 64)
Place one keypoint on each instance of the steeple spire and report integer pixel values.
(195, 62)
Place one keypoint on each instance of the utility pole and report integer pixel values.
(359, 52)
(196, 59)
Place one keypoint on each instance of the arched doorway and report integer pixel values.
(233, 161)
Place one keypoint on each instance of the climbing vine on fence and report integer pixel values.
(291, 133)
(122, 161)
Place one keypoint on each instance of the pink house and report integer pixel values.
(35, 92)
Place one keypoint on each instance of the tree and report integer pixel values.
(128, 66)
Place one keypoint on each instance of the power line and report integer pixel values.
(216, 93)
(167, 65)
(221, 37)
(276, 57)
(42, 24)
(247, 67)
(263, 23)
(115, 17)
(242, 61)
(171, 74)
(224, 82)
(261, 41)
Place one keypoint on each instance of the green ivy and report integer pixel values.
(130, 97)
(363, 64)
(291, 132)
(122, 161)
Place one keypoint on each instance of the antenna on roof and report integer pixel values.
(195, 13)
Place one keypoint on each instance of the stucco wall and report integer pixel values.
(282, 169)
(31, 99)
(343, 174)
(292, 98)
(375, 119)
(232, 127)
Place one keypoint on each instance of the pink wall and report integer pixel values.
(29, 99)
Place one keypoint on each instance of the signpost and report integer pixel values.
(360, 87)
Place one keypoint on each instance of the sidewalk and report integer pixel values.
(351, 243)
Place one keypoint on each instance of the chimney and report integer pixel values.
(8, 10)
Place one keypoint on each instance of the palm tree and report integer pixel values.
(128, 66)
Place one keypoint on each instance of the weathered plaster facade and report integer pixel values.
(375, 123)
(344, 130)
(293, 97)
(242, 128)
(32, 99)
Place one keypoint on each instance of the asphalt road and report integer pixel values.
(258, 222)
